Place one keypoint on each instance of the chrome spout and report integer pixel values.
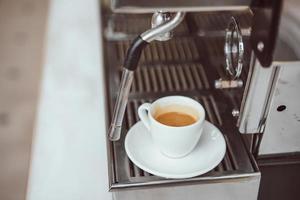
(158, 32)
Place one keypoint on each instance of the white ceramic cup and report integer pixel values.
(174, 142)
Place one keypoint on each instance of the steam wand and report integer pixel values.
(162, 25)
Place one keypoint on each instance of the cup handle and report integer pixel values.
(143, 114)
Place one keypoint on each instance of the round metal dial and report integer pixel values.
(234, 49)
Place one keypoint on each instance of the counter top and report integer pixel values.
(69, 158)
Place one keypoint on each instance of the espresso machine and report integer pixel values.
(238, 58)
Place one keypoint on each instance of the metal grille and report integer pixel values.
(218, 21)
(175, 50)
(162, 78)
(228, 163)
(185, 66)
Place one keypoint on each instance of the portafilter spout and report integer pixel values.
(157, 32)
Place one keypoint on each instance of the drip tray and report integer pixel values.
(185, 65)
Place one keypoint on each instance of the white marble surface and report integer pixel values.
(69, 151)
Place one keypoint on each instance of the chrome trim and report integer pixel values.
(140, 10)
(234, 49)
(222, 84)
(120, 105)
(158, 31)
(257, 97)
(159, 18)
(146, 6)
(150, 183)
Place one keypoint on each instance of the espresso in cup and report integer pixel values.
(175, 123)
(175, 119)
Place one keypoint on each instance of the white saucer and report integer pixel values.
(208, 153)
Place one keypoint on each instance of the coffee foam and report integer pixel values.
(161, 109)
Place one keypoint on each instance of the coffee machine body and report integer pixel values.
(239, 59)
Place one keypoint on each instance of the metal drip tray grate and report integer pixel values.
(182, 66)
(228, 164)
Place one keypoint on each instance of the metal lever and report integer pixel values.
(130, 64)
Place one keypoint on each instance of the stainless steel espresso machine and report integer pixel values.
(239, 58)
